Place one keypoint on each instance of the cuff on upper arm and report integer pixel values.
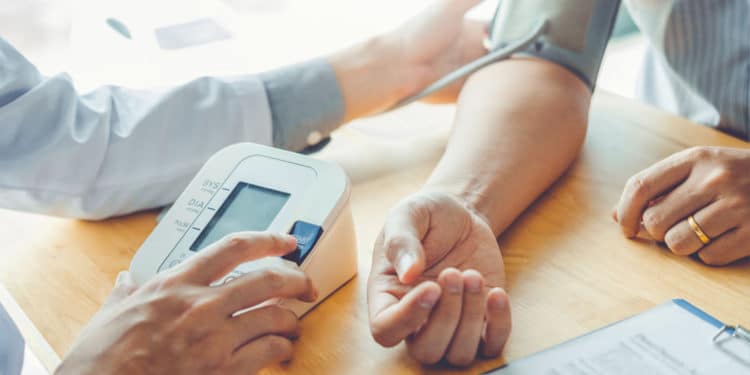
(581, 54)
(306, 103)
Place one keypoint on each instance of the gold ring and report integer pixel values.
(698, 230)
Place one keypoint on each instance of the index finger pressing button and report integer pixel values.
(220, 258)
(307, 236)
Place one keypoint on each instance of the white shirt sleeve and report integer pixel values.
(114, 151)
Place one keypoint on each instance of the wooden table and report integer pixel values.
(569, 269)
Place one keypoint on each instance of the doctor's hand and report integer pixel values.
(696, 201)
(436, 282)
(379, 73)
(437, 42)
(178, 324)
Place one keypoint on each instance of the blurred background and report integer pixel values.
(74, 36)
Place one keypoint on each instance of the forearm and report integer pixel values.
(518, 127)
(379, 72)
(310, 100)
(372, 77)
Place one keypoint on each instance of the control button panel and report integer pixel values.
(307, 236)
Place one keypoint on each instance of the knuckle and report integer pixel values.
(638, 187)
(738, 203)
(283, 319)
(167, 302)
(273, 279)
(700, 152)
(718, 178)
(143, 321)
(676, 243)
(165, 281)
(672, 240)
(654, 224)
(233, 241)
(203, 307)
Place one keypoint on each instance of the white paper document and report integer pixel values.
(674, 338)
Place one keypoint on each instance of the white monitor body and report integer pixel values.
(252, 187)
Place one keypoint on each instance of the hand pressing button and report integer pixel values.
(307, 236)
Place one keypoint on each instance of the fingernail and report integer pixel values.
(405, 261)
(497, 303)
(291, 240)
(474, 284)
(453, 284)
(429, 299)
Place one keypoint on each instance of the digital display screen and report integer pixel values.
(248, 208)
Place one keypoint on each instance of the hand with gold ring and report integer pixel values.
(696, 201)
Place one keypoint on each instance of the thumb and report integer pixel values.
(406, 254)
(402, 240)
(124, 287)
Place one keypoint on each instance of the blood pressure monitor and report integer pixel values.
(249, 187)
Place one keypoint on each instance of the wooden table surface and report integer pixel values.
(569, 269)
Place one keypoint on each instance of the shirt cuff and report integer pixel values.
(306, 103)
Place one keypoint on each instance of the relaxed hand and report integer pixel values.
(436, 282)
(709, 184)
(437, 42)
(375, 75)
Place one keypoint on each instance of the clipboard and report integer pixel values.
(737, 332)
(673, 338)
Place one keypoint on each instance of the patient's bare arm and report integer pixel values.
(437, 277)
(519, 125)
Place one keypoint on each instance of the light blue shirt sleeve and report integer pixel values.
(114, 150)
(306, 103)
(12, 346)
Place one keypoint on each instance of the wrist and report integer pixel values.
(472, 199)
(372, 76)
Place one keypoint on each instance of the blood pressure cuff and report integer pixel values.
(576, 36)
